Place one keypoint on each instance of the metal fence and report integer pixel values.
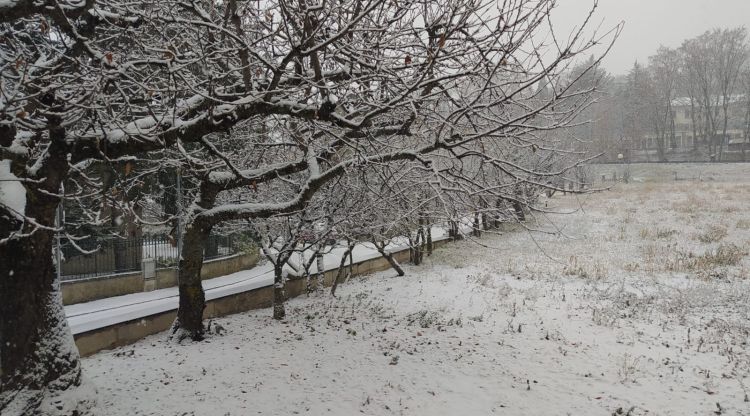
(115, 255)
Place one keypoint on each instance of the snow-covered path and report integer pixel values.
(619, 319)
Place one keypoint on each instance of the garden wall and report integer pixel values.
(86, 290)
(129, 332)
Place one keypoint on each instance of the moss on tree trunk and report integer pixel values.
(189, 323)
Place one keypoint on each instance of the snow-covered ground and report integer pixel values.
(636, 303)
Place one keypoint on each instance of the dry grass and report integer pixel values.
(670, 258)
(658, 229)
(657, 234)
(690, 205)
(725, 255)
(712, 234)
(587, 270)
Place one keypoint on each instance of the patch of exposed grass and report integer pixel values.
(713, 234)
(725, 255)
(690, 205)
(578, 268)
(657, 234)
(669, 258)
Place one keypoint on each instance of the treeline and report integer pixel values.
(700, 89)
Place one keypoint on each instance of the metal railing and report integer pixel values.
(112, 256)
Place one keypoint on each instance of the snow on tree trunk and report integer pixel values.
(38, 358)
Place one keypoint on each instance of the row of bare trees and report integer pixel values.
(707, 78)
(352, 120)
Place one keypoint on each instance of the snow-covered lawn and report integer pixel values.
(639, 305)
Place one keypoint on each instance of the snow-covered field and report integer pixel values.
(636, 303)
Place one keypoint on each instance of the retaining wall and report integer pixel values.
(86, 290)
(129, 332)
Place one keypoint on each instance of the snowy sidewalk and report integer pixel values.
(89, 316)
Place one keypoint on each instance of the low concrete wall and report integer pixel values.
(77, 291)
(220, 267)
(211, 268)
(165, 278)
(86, 290)
(129, 332)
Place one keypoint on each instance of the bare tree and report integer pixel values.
(713, 61)
(367, 83)
(664, 68)
(745, 88)
(731, 55)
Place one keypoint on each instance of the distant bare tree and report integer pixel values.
(664, 69)
(730, 56)
(745, 88)
(712, 62)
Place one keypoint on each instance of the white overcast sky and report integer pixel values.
(650, 23)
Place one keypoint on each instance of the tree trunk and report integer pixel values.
(518, 208)
(351, 262)
(394, 264)
(430, 245)
(279, 292)
(189, 323)
(498, 209)
(307, 265)
(38, 358)
(320, 264)
(38, 352)
(418, 247)
(453, 230)
(660, 149)
(389, 258)
(341, 270)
